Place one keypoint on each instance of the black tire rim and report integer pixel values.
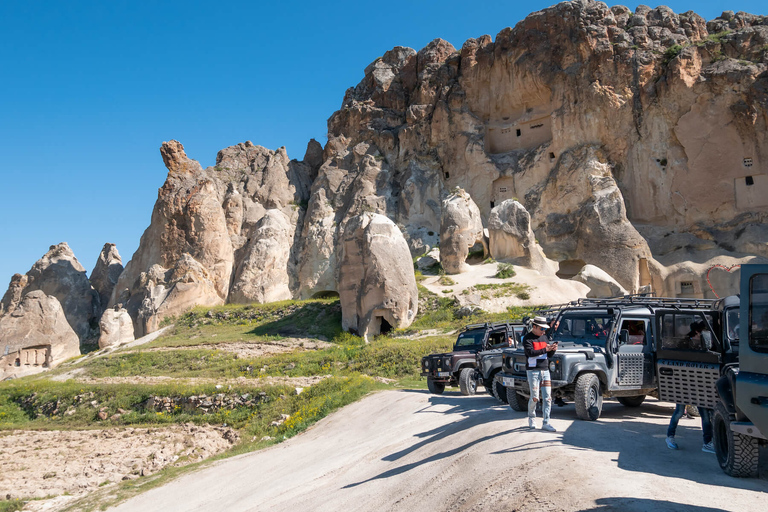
(592, 396)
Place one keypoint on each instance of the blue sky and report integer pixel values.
(91, 89)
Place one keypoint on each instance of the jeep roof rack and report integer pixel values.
(632, 300)
(486, 325)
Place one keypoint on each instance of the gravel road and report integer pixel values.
(412, 451)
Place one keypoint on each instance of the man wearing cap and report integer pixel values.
(537, 347)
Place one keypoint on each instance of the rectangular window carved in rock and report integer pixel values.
(519, 132)
(686, 287)
(747, 162)
(749, 180)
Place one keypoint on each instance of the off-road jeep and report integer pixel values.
(729, 376)
(488, 363)
(457, 368)
(605, 350)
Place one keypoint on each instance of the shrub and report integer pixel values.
(505, 271)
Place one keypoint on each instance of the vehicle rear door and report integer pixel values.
(752, 380)
(687, 369)
(635, 354)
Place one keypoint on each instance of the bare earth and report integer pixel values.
(412, 451)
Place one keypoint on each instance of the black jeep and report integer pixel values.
(457, 368)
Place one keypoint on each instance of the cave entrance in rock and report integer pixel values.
(569, 268)
(326, 294)
(385, 326)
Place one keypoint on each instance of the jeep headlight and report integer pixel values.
(426, 363)
(552, 366)
(447, 362)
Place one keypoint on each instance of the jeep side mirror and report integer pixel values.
(623, 337)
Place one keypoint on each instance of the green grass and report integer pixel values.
(11, 506)
(446, 281)
(492, 291)
(505, 271)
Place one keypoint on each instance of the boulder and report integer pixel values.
(59, 274)
(512, 239)
(116, 327)
(461, 228)
(105, 274)
(601, 285)
(35, 336)
(377, 285)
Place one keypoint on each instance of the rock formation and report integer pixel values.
(601, 285)
(58, 274)
(35, 335)
(377, 286)
(631, 138)
(512, 239)
(116, 328)
(105, 274)
(461, 227)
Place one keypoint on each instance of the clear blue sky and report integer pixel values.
(90, 89)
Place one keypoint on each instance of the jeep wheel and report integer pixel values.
(467, 382)
(436, 388)
(488, 385)
(631, 401)
(499, 391)
(736, 453)
(516, 401)
(588, 399)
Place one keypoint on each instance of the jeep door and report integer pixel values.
(635, 354)
(752, 380)
(687, 367)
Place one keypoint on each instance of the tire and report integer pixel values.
(631, 401)
(436, 388)
(588, 399)
(467, 382)
(736, 453)
(499, 391)
(516, 401)
(488, 385)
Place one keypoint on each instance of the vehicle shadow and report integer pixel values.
(643, 505)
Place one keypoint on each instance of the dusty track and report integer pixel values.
(411, 451)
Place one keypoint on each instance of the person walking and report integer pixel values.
(693, 340)
(537, 348)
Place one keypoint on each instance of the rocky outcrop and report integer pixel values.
(377, 285)
(601, 285)
(461, 228)
(105, 274)
(116, 328)
(211, 223)
(59, 274)
(510, 237)
(35, 336)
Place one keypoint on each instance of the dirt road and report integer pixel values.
(412, 451)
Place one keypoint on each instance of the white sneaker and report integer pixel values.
(671, 444)
(708, 447)
(531, 423)
(548, 427)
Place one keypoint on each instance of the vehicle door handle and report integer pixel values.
(760, 400)
(666, 371)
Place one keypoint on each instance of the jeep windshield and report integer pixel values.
(583, 328)
(470, 338)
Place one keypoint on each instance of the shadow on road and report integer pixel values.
(643, 505)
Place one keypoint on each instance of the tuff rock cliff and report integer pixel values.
(585, 136)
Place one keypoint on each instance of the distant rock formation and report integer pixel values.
(512, 239)
(601, 285)
(461, 227)
(35, 336)
(105, 274)
(116, 327)
(59, 274)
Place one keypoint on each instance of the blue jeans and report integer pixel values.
(706, 422)
(539, 379)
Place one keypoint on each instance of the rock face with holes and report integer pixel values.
(377, 286)
(35, 336)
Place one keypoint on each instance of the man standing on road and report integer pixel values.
(537, 347)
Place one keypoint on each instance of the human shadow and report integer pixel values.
(472, 411)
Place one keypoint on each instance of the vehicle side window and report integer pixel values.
(686, 331)
(497, 338)
(637, 330)
(758, 313)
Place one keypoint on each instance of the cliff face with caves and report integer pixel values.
(632, 141)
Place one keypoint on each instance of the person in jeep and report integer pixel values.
(537, 348)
